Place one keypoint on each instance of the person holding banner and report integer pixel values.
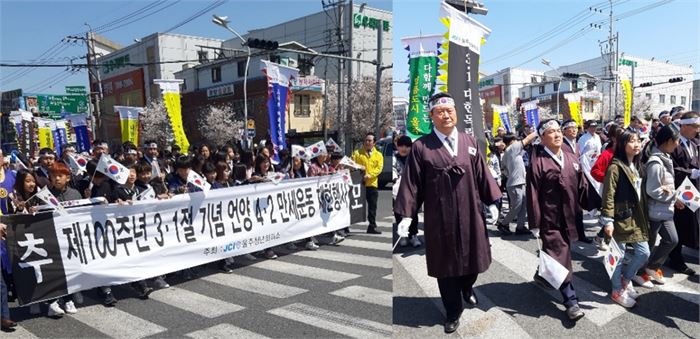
(686, 164)
(624, 214)
(661, 199)
(555, 190)
(446, 171)
(319, 167)
(178, 183)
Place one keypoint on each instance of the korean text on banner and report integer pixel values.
(532, 113)
(574, 100)
(279, 78)
(129, 121)
(459, 68)
(105, 245)
(78, 123)
(171, 97)
(423, 70)
(45, 133)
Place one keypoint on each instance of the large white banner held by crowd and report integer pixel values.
(54, 255)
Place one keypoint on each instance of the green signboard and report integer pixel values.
(485, 82)
(361, 20)
(627, 62)
(116, 63)
(56, 104)
(73, 90)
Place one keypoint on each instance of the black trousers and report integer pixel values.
(568, 294)
(579, 225)
(676, 259)
(372, 196)
(452, 291)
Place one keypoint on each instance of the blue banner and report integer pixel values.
(82, 139)
(505, 120)
(532, 113)
(57, 143)
(279, 80)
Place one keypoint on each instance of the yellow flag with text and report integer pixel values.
(129, 122)
(45, 134)
(171, 98)
(627, 89)
(575, 108)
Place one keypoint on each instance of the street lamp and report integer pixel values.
(223, 22)
(546, 62)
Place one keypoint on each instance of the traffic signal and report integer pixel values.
(570, 75)
(678, 79)
(262, 44)
(645, 84)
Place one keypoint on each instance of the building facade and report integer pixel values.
(502, 88)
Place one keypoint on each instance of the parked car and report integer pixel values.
(386, 146)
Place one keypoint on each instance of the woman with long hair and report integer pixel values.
(24, 189)
(598, 173)
(624, 214)
(660, 191)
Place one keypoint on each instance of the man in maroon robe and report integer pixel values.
(446, 171)
(555, 190)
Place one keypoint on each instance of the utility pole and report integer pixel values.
(612, 67)
(348, 122)
(93, 76)
(377, 94)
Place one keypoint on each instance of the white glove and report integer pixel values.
(493, 211)
(695, 173)
(402, 228)
(535, 232)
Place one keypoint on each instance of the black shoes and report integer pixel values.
(225, 268)
(522, 231)
(574, 312)
(451, 326)
(109, 300)
(586, 240)
(144, 292)
(471, 300)
(373, 230)
(503, 229)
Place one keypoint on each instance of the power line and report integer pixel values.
(127, 16)
(145, 15)
(197, 15)
(578, 34)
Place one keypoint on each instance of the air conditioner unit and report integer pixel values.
(293, 63)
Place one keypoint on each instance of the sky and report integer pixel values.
(29, 28)
(669, 31)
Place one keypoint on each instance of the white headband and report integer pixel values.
(151, 145)
(443, 101)
(689, 121)
(569, 124)
(552, 124)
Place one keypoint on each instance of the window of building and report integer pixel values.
(216, 74)
(302, 105)
(556, 86)
(648, 95)
(682, 100)
(541, 89)
(574, 85)
(662, 99)
(241, 69)
(673, 100)
(590, 85)
(202, 56)
(588, 106)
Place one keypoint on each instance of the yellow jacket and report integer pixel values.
(373, 165)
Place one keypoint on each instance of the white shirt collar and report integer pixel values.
(559, 159)
(455, 142)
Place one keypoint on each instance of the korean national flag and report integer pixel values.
(316, 149)
(688, 194)
(197, 180)
(113, 169)
(46, 196)
(300, 152)
(77, 163)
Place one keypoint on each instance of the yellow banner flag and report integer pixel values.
(129, 122)
(171, 98)
(496, 120)
(575, 108)
(45, 134)
(627, 89)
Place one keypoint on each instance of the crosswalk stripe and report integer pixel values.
(475, 321)
(116, 323)
(248, 284)
(384, 234)
(21, 332)
(673, 284)
(371, 245)
(194, 302)
(347, 258)
(599, 308)
(388, 277)
(365, 294)
(305, 271)
(333, 321)
(222, 331)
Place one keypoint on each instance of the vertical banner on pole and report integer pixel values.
(171, 97)
(58, 129)
(78, 123)
(501, 118)
(627, 89)
(278, 94)
(574, 100)
(129, 122)
(45, 133)
(423, 69)
(532, 113)
(460, 68)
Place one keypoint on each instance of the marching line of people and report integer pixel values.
(626, 178)
(163, 175)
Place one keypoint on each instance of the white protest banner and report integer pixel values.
(115, 244)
